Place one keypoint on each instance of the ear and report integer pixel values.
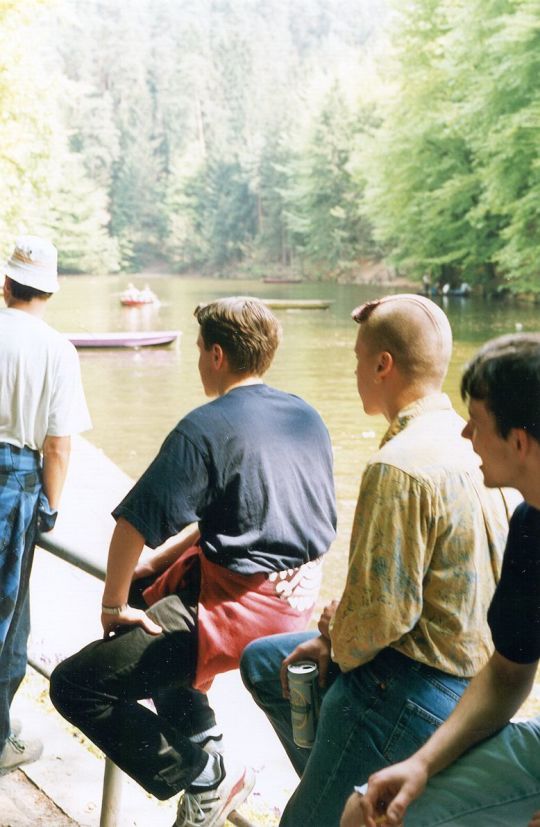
(385, 363)
(218, 356)
(521, 440)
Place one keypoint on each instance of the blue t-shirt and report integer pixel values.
(254, 469)
(514, 614)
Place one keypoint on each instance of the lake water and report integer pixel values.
(137, 396)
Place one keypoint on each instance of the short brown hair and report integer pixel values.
(245, 328)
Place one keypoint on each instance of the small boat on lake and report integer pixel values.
(133, 297)
(277, 280)
(297, 304)
(140, 338)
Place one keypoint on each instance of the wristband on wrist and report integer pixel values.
(113, 610)
(361, 790)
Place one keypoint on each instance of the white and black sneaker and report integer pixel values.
(212, 744)
(209, 807)
(17, 752)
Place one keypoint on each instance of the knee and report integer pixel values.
(249, 665)
(58, 685)
(62, 686)
(260, 665)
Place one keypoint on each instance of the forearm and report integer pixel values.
(489, 702)
(124, 551)
(56, 453)
(359, 632)
(487, 705)
(172, 550)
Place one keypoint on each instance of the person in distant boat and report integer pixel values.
(396, 652)
(497, 782)
(253, 468)
(133, 296)
(42, 404)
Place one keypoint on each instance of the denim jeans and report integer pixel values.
(98, 690)
(13, 656)
(496, 784)
(20, 487)
(374, 715)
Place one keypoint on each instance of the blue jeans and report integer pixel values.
(496, 784)
(20, 489)
(13, 657)
(372, 716)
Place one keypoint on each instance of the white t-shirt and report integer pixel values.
(41, 392)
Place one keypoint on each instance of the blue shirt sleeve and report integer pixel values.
(171, 493)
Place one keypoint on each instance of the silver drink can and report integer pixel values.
(303, 679)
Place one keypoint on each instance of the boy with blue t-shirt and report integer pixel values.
(253, 468)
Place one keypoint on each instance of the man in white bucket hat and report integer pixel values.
(33, 263)
(41, 404)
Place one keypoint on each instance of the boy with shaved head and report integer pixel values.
(475, 782)
(397, 651)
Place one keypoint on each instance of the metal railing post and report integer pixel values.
(112, 777)
(112, 793)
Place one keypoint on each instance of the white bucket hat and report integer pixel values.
(33, 262)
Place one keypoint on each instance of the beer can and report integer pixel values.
(303, 680)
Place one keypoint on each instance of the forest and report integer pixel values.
(304, 137)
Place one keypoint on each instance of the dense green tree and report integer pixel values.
(501, 113)
(452, 170)
(206, 132)
(27, 130)
(77, 217)
(45, 189)
(116, 116)
(159, 84)
(219, 215)
(274, 242)
(322, 198)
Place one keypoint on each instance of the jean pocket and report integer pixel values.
(414, 726)
(28, 480)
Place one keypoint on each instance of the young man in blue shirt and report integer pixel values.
(253, 468)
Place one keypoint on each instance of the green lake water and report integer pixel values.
(137, 396)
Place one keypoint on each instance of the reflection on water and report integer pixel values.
(136, 396)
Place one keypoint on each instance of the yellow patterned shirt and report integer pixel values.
(426, 548)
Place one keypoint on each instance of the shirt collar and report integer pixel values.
(427, 404)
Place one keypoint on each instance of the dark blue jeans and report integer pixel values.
(372, 716)
(20, 489)
(13, 656)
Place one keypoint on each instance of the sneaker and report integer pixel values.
(213, 744)
(15, 726)
(210, 808)
(17, 752)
